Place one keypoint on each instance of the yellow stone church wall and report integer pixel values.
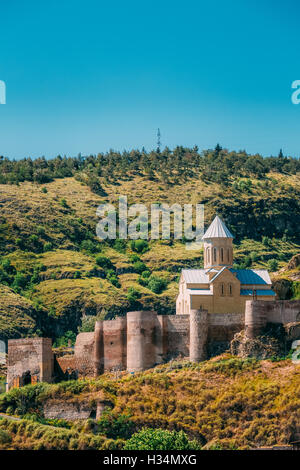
(226, 296)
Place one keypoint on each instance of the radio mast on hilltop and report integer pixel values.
(158, 140)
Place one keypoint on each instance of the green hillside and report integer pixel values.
(223, 403)
(57, 272)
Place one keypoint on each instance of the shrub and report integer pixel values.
(254, 256)
(146, 274)
(266, 241)
(132, 295)
(34, 244)
(104, 262)
(272, 265)
(296, 290)
(90, 246)
(120, 245)
(112, 277)
(47, 246)
(19, 242)
(87, 324)
(20, 281)
(63, 341)
(41, 176)
(139, 267)
(160, 439)
(95, 186)
(115, 427)
(63, 202)
(134, 258)
(156, 284)
(20, 400)
(40, 230)
(140, 246)
(5, 437)
(246, 262)
(8, 267)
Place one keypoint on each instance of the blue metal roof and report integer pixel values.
(252, 276)
(258, 292)
(247, 277)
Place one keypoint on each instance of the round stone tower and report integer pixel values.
(218, 250)
(255, 317)
(141, 350)
(198, 335)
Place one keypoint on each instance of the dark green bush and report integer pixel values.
(63, 341)
(160, 439)
(139, 267)
(112, 277)
(104, 262)
(140, 246)
(5, 437)
(90, 246)
(156, 284)
(272, 265)
(115, 427)
(132, 295)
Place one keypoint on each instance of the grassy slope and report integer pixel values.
(229, 402)
(15, 314)
(26, 209)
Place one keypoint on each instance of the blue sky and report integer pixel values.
(87, 76)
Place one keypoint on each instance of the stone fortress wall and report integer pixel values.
(30, 360)
(258, 313)
(142, 340)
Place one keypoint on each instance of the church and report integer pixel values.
(218, 288)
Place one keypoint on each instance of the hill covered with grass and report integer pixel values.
(60, 276)
(223, 403)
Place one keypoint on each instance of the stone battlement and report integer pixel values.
(258, 313)
(142, 340)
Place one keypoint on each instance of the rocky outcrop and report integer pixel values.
(292, 331)
(261, 347)
(283, 288)
(294, 263)
(287, 274)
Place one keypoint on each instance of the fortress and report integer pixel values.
(213, 305)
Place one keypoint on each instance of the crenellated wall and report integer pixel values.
(258, 313)
(143, 339)
(82, 361)
(177, 334)
(30, 360)
(114, 343)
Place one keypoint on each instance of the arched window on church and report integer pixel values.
(222, 289)
(208, 255)
(215, 254)
(228, 255)
(222, 255)
(230, 289)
